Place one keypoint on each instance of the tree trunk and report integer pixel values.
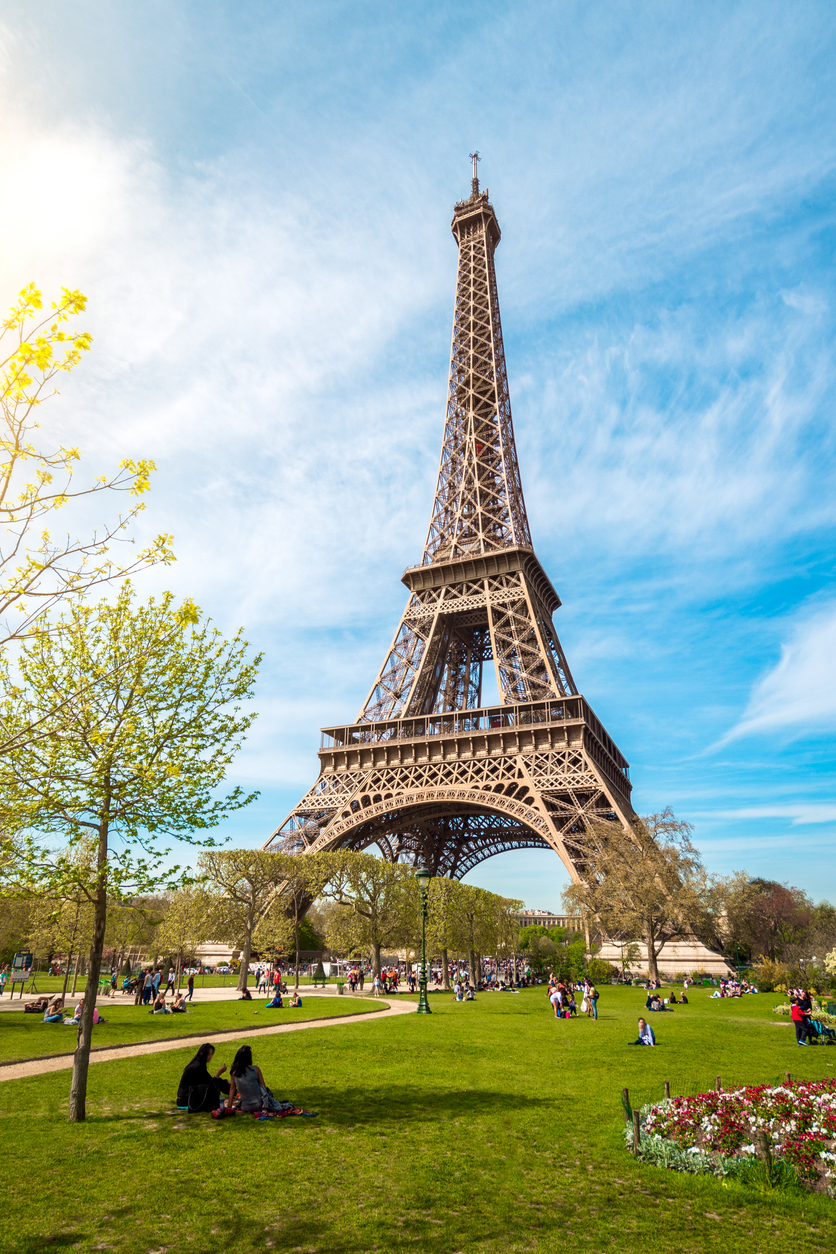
(652, 967)
(76, 965)
(445, 969)
(296, 929)
(473, 978)
(375, 958)
(78, 1088)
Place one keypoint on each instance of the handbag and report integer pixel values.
(272, 1105)
(584, 1006)
(197, 1098)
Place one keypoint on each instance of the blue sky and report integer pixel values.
(257, 201)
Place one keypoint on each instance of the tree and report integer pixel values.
(380, 899)
(442, 901)
(762, 918)
(148, 727)
(186, 924)
(244, 882)
(476, 926)
(301, 879)
(38, 571)
(646, 882)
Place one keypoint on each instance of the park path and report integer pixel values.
(40, 1066)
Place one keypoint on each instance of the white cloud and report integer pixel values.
(800, 814)
(799, 694)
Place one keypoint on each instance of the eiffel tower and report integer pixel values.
(427, 772)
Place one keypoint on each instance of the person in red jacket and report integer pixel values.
(800, 1017)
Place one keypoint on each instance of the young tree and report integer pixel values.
(186, 924)
(647, 882)
(148, 726)
(301, 879)
(242, 884)
(442, 920)
(382, 897)
(39, 571)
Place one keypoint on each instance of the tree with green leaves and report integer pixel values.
(150, 718)
(643, 883)
(442, 920)
(300, 880)
(186, 924)
(379, 901)
(244, 884)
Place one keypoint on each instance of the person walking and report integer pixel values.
(147, 987)
(190, 986)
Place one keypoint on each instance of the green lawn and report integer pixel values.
(487, 1127)
(27, 1036)
(55, 983)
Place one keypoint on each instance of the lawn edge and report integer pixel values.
(196, 1036)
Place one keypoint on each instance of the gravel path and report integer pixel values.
(40, 1066)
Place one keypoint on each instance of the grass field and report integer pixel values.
(27, 1036)
(487, 1127)
(55, 983)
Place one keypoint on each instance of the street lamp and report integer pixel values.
(423, 877)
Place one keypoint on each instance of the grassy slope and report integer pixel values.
(487, 1127)
(55, 983)
(27, 1036)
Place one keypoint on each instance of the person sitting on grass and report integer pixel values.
(178, 1006)
(159, 1007)
(470, 995)
(54, 1012)
(249, 1088)
(246, 995)
(198, 1090)
(459, 993)
(646, 1036)
(295, 999)
(683, 1000)
(276, 1003)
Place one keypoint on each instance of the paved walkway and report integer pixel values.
(40, 1066)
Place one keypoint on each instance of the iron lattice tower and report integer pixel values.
(427, 773)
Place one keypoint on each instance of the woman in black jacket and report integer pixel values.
(198, 1090)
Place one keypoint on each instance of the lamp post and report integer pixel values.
(423, 877)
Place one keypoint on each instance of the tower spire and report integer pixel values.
(479, 505)
(474, 186)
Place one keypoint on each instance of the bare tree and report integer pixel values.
(646, 883)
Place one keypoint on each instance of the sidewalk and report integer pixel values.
(40, 1066)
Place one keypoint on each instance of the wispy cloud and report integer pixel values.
(799, 694)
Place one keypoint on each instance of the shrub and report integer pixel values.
(601, 972)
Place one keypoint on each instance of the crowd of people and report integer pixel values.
(561, 996)
(734, 988)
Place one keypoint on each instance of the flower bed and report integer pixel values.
(720, 1132)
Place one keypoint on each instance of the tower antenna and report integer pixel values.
(475, 158)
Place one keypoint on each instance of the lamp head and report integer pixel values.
(422, 875)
